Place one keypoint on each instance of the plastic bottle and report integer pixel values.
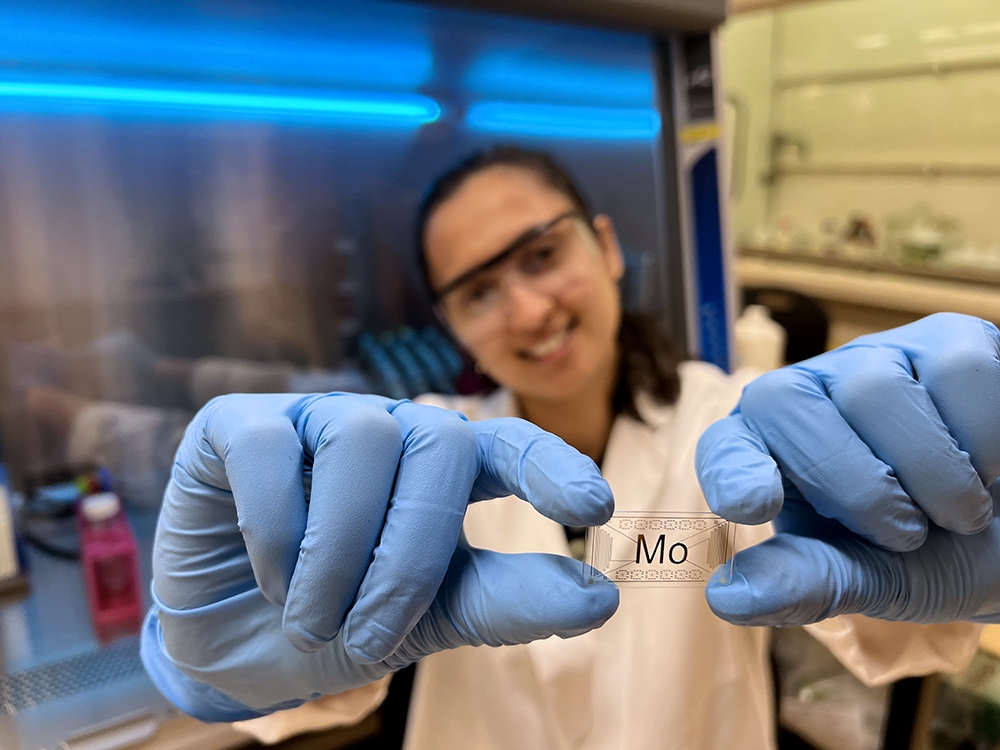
(110, 559)
(760, 342)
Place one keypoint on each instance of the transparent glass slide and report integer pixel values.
(666, 548)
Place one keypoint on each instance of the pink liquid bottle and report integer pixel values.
(110, 560)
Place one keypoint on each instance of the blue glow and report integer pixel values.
(400, 109)
(523, 75)
(561, 121)
(383, 48)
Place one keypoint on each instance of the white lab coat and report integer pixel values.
(664, 672)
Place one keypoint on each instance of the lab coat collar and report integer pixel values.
(501, 403)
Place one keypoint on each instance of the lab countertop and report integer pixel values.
(60, 688)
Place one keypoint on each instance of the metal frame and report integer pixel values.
(688, 138)
(647, 15)
(674, 271)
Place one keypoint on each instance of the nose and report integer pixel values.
(525, 309)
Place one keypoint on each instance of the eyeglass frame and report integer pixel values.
(501, 257)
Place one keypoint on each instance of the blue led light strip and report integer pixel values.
(332, 44)
(519, 75)
(403, 108)
(563, 121)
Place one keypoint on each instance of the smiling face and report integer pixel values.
(552, 333)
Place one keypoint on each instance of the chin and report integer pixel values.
(556, 381)
(560, 388)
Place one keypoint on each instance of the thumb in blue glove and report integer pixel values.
(266, 598)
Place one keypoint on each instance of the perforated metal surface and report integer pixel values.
(71, 676)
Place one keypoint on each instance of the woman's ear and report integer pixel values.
(611, 251)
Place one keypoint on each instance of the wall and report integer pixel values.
(746, 43)
(893, 103)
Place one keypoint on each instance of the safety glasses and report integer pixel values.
(547, 259)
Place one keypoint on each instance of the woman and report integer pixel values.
(527, 279)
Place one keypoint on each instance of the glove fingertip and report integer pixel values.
(731, 600)
(370, 643)
(605, 597)
(558, 600)
(751, 501)
(740, 480)
(302, 639)
(905, 538)
(596, 604)
(595, 503)
(981, 505)
(737, 604)
(744, 491)
(778, 582)
(565, 485)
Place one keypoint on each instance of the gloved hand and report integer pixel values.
(874, 461)
(311, 544)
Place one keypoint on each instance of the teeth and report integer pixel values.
(548, 346)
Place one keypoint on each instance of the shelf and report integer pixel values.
(887, 287)
(743, 6)
(912, 70)
(940, 272)
(899, 169)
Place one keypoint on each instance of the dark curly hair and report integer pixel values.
(648, 358)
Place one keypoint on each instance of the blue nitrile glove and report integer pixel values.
(874, 461)
(311, 544)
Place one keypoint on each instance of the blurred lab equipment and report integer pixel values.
(920, 235)
(820, 701)
(50, 506)
(405, 364)
(375, 357)
(967, 708)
